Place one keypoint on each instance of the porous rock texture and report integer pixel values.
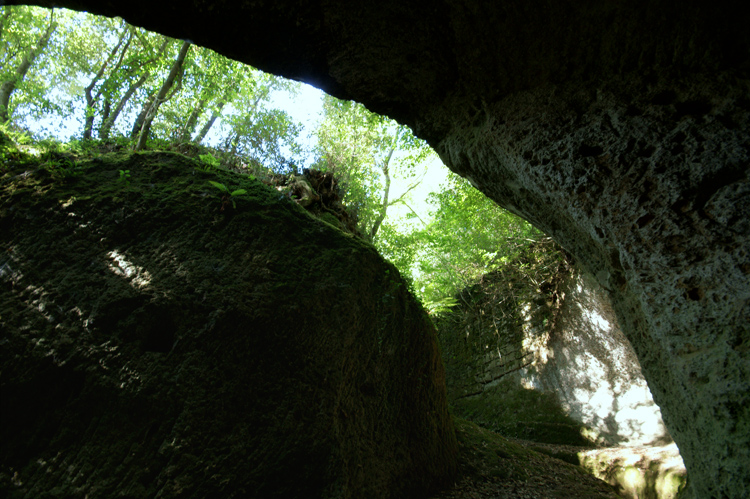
(620, 128)
(158, 342)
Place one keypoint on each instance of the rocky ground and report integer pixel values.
(491, 466)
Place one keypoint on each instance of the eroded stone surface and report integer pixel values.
(539, 323)
(593, 370)
(638, 471)
(157, 343)
(620, 128)
(629, 184)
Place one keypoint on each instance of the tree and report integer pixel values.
(215, 113)
(142, 64)
(213, 82)
(251, 128)
(23, 39)
(162, 95)
(468, 236)
(91, 100)
(210, 81)
(96, 68)
(366, 151)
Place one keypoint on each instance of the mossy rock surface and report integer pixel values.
(157, 340)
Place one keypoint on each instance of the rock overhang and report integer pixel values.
(542, 105)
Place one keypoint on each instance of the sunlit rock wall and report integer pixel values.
(590, 365)
(639, 472)
(562, 339)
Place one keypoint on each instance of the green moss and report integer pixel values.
(331, 219)
(498, 456)
(169, 179)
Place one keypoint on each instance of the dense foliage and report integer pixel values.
(60, 68)
(366, 151)
(467, 237)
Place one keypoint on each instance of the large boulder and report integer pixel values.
(621, 128)
(158, 341)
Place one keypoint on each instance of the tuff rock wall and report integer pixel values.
(589, 365)
(619, 127)
(160, 342)
(510, 333)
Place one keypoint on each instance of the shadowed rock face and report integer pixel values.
(158, 343)
(620, 128)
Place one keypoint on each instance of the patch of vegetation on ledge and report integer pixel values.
(167, 178)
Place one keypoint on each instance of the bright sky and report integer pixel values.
(436, 174)
(306, 108)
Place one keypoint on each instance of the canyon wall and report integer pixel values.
(620, 128)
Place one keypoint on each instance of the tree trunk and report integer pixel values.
(141, 118)
(109, 121)
(231, 143)
(384, 207)
(106, 108)
(90, 99)
(192, 121)
(8, 86)
(207, 126)
(161, 96)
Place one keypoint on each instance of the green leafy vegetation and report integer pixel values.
(366, 151)
(228, 195)
(467, 236)
(209, 160)
(125, 177)
(60, 68)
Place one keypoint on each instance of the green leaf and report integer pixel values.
(219, 185)
(238, 192)
(209, 160)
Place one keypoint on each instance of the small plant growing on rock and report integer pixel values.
(227, 196)
(209, 163)
(64, 168)
(125, 177)
(209, 159)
